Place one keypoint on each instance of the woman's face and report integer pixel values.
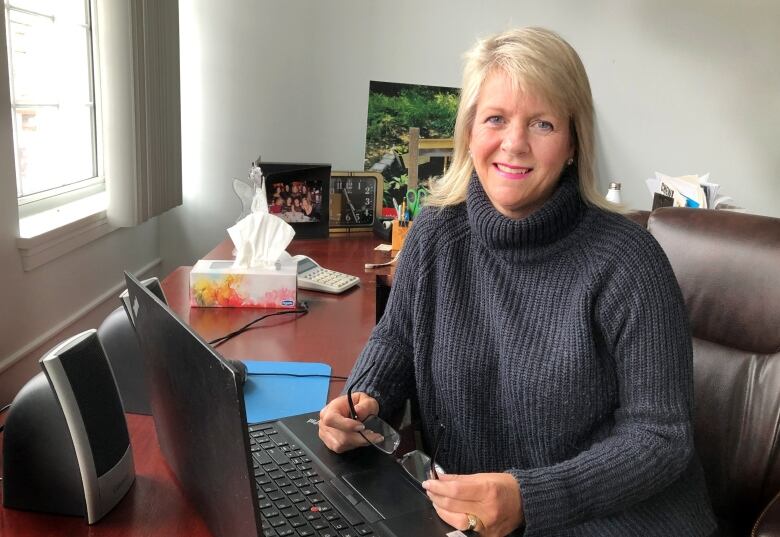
(519, 147)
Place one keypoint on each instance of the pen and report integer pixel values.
(397, 211)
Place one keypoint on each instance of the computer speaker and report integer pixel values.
(117, 334)
(66, 448)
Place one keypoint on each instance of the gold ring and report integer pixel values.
(473, 522)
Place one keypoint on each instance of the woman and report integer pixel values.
(544, 331)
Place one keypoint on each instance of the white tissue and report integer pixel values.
(260, 239)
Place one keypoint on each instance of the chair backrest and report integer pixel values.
(728, 267)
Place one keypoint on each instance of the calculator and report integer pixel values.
(312, 276)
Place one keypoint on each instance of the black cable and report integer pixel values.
(304, 309)
(298, 375)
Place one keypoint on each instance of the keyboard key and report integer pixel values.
(337, 525)
(284, 504)
(276, 522)
(364, 530)
(305, 532)
(265, 504)
(290, 513)
(284, 532)
(296, 498)
(261, 457)
(270, 513)
(319, 525)
(276, 474)
(279, 456)
(297, 522)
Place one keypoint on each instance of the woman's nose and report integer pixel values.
(515, 140)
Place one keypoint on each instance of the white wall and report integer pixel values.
(679, 87)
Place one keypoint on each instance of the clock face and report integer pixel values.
(353, 200)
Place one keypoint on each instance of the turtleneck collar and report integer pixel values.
(539, 234)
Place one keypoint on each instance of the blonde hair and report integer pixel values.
(538, 61)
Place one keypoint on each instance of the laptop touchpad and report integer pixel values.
(387, 491)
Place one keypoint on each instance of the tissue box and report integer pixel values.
(218, 284)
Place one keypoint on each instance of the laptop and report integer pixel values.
(272, 479)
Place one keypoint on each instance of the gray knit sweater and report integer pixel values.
(555, 348)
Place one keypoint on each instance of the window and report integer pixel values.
(94, 94)
(52, 83)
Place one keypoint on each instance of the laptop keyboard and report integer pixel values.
(295, 499)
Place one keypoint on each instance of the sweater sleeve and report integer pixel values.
(641, 317)
(389, 351)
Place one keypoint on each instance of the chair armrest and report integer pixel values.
(768, 523)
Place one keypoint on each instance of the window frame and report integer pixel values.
(64, 195)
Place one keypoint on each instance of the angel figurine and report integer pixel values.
(251, 192)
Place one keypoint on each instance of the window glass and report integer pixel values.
(50, 50)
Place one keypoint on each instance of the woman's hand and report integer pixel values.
(340, 432)
(493, 498)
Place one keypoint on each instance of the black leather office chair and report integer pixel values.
(728, 266)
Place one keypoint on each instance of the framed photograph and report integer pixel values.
(299, 194)
(355, 200)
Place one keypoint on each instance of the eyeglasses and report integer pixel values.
(386, 439)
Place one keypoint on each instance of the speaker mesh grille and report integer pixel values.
(98, 400)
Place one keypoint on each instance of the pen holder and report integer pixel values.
(399, 234)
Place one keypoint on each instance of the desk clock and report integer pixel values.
(355, 200)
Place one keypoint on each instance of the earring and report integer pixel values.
(570, 162)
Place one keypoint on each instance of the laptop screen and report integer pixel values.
(199, 416)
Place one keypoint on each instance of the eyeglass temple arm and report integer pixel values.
(352, 411)
(437, 442)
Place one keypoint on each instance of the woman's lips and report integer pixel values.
(512, 172)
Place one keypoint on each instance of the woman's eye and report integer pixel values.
(494, 119)
(542, 126)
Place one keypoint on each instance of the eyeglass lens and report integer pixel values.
(380, 434)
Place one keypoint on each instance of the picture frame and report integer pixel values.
(300, 195)
(355, 200)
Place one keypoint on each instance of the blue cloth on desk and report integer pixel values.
(274, 397)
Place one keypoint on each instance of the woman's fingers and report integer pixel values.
(456, 520)
(337, 430)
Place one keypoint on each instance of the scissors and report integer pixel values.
(415, 199)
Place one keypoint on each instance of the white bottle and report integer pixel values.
(613, 194)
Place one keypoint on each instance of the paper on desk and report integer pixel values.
(273, 397)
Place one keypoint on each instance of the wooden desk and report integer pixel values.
(334, 331)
